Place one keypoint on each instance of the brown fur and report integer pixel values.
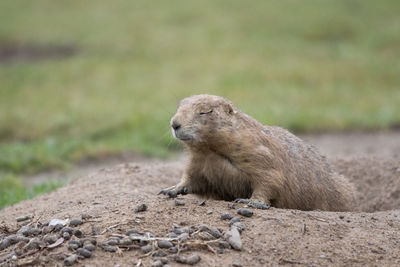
(234, 156)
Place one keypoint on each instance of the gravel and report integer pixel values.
(113, 242)
(75, 222)
(165, 244)
(233, 237)
(68, 230)
(226, 216)
(191, 260)
(245, 212)
(157, 263)
(159, 253)
(126, 241)
(24, 218)
(71, 260)
(141, 207)
(34, 243)
(110, 248)
(236, 263)
(179, 202)
(234, 219)
(213, 231)
(131, 231)
(89, 247)
(66, 235)
(146, 249)
(84, 252)
(50, 239)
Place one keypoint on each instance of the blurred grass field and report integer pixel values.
(304, 65)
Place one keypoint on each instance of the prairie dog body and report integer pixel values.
(233, 156)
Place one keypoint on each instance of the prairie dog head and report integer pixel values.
(202, 118)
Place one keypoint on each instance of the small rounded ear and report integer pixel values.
(229, 108)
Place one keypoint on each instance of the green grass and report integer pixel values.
(304, 65)
(12, 189)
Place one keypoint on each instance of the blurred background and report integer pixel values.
(84, 80)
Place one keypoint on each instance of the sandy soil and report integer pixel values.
(370, 236)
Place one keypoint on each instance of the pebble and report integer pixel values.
(89, 247)
(13, 239)
(50, 239)
(66, 236)
(131, 231)
(164, 244)
(35, 231)
(233, 238)
(78, 233)
(236, 263)
(183, 237)
(84, 252)
(209, 212)
(143, 242)
(223, 244)
(113, 242)
(179, 202)
(226, 216)
(157, 264)
(76, 242)
(191, 260)
(86, 216)
(89, 241)
(34, 243)
(239, 226)
(55, 222)
(146, 249)
(173, 250)
(75, 222)
(245, 212)
(71, 260)
(58, 227)
(141, 207)
(178, 231)
(73, 246)
(173, 235)
(5, 244)
(48, 229)
(110, 248)
(234, 219)
(126, 241)
(220, 251)
(24, 218)
(68, 230)
(213, 231)
(23, 239)
(159, 253)
(164, 260)
(24, 230)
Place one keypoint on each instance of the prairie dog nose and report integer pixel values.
(176, 125)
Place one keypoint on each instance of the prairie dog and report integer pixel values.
(233, 156)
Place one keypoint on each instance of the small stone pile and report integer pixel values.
(29, 240)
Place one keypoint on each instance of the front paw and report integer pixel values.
(175, 190)
(253, 203)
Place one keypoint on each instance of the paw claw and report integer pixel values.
(241, 200)
(258, 205)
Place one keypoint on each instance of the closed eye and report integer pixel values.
(206, 112)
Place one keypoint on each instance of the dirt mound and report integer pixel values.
(376, 179)
(106, 202)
